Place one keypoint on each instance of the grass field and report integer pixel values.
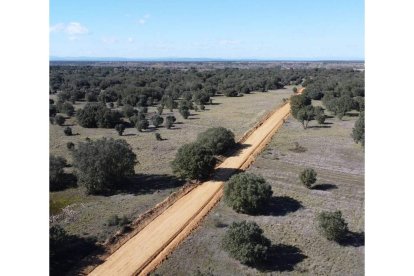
(290, 220)
(87, 215)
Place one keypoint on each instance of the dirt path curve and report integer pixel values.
(148, 248)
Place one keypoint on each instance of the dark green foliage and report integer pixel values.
(184, 111)
(67, 250)
(51, 101)
(70, 145)
(157, 120)
(217, 139)
(332, 226)
(67, 131)
(245, 242)
(297, 102)
(305, 115)
(142, 124)
(97, 115)
(91, 97)
(115, 220)
(193, 161)
(308, 177)
(201, 97)
(52, 110)
(66, 108)
(158, 136)
(103, 163)
(169, 121)
(56, 172)
(319, 115)
(160, 109)
(359, 103)
(59, 120)
(358, 132)
(247, 193)
(295, 89)
(120, 128)
(128, 111)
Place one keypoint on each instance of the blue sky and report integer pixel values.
(232, 29)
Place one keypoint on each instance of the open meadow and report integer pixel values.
(87, 216)
(289, 221)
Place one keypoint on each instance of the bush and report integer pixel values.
(128, 110)
(66, 108)
(308, 177)
(59, 120)
(157, 120)
(56, 172)
(70, 145)
(169, 121)
(103, 163)
(247, 193)
(193, 161)
(67, 131)
(184, 111)
(358, 132)
(97, 115)
(332, 226)
(245, 242)
(120, 128)
(142, 124)
(217, 139)
(319, 115)
(114, 220)
(52, 110)
(158, 136)
(160, 109)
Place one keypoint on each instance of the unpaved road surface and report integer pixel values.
(143, 252)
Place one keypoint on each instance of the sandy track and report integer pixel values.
(143, 252)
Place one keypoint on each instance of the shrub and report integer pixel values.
(245, 242)
(217, 139)
(67, 131)
(114, 220)
(56, 172)
(51, 101)
(332, 226)
(158, 136)
(103, 163)
(305, 115)
(97, 115)
(308, 177)
(128, 110)
(160, 109)
(66, 108)
(59, 120)
(184, 111)
(142, 124)
(319, 115)
(358, 132)
(169, 121)
(247, 193)
(193, 161)
(120, 128)
(52, 110)
(157, 120)
(295, 89)
(70, 145)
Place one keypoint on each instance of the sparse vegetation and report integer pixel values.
(247, 193)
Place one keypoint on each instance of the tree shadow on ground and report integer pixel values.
(148, 183)
(352, 114)
(281, 205)
(324, 187)
(69, 180)
(236, 149)
(73, 253)
(223, 174)
(353, 239)
(129, 134)
(322, 126)
(282, 257)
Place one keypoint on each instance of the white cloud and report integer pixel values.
(131, 40)
(144, 19)
(75, 28)
(72, 29)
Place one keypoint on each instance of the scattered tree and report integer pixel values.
(193, 161)
(184, 111)
(245, 242)
(358, 132)
(247, 193)
(67, 131)
(103, 163)
(319, 115)
(158, 136)
(59, 120)
(160, 109)
(56, 172)
(305, 115)
(217, 139)
(308, 177)
(297, 102)
(169, 121)
(70, 146)
(157, 120)
(97, 115)
(120, 128)
(142, 124)
(332, 226)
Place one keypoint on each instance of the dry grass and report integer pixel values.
(91, 212)
(339, 163)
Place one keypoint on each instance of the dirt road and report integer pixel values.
(143, 252)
